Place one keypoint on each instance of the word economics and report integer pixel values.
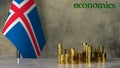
(95, 5)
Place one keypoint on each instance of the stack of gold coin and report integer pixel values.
(85, 49)
(100, 53)
(67, 58)
(62, 59)
(89, 55)
(104, 57)
(79, 58)
(83, 56)
(73, 56)
(95, 55)
(60, 49)
(86, 53)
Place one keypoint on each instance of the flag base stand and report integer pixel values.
(18, 56)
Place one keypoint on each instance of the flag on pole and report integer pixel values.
(23, 28)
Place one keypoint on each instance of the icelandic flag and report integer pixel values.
(23, 28)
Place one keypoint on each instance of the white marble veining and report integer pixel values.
(52, 63)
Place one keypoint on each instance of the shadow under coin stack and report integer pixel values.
(73, 56)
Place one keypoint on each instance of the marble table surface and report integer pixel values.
(52, 63)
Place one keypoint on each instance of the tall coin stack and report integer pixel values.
(73, 56)
(67, 56)
(60, 54)
(89, 55)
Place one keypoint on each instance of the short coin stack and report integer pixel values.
(73, 56)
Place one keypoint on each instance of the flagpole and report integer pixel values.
(18, 56)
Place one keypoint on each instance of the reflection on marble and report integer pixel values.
(84, 65)
(52, 63)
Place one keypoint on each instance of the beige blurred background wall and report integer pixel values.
(64, 24)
